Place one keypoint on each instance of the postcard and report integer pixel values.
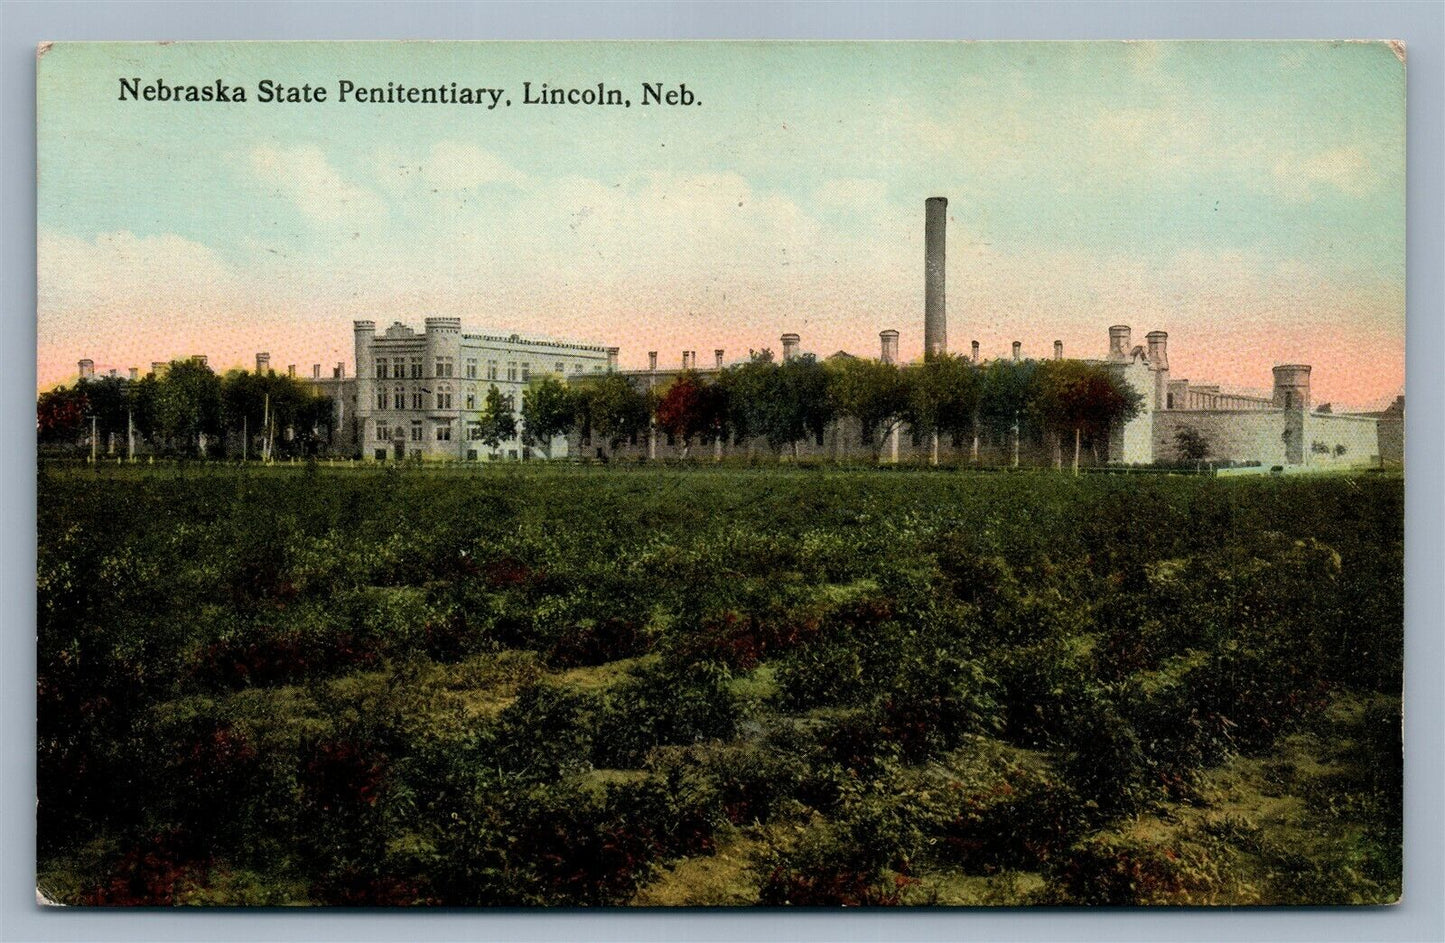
(720, 474)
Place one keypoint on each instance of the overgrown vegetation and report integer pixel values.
(587, 686)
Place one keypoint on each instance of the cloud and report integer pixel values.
(1300, 177)
(304, 176)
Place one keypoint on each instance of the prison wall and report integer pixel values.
(1245, 435)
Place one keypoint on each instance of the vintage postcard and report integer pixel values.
(720, 474)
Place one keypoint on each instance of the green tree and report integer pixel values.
(612, 409)
(874, 393)
(549, 409)
(1191, 445)
(496, 420)
(188, 406)
(943, 398)
(1005, 394)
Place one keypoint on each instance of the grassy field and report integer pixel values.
(591, 686)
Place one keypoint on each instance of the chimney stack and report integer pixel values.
(199, 359)
(1058, 350)
(316, 371)
(718, 356)
(290, 369)
(111, 372)
(1158, 349)
(263, 363)
(86, 368)
(158, 367)
(1119, 342)
(612, 353)
(935, 316)
(888, 343)
(135, 373)
(790, 346)
(340, 371)
(652, 360)
(975, 351)
(1018, 346)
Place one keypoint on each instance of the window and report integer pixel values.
(444, 399)
(512, 371)
(445, 367)
(561, 367)
(444, 432)
(381, 399)
(416, 400)
(381, 368)
(474, 432)
(491, 369)
(415, 432)
(383, 432)
(576, 368)
(526, 373)
(398, 368)
(416, 368)
(597, 368)
(471, 368)
(471, 401)
(399, 398)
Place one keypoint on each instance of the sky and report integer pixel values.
(1248, 198)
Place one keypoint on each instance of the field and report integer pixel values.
(590, 686)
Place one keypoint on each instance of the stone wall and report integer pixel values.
(1246, 435)
(1341, 440)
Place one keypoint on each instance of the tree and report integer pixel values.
(943, 398)
(686, 410)
(1191, 445)
(188, 405)
(496, 421)
(872, 392)
(1079, 397)
(1005, 394)
(60, 414)
(549, 409)
(611, 408)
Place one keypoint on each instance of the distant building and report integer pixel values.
(418, 395)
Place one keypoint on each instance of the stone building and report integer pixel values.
(418, 395)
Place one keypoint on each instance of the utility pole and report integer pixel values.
(1016, 440)
(265, 427)
(130, 434)
(92, 439)
(245, 438)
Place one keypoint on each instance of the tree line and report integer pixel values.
(188, 409)
(783, 404)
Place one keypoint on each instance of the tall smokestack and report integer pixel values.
(652, 360)
(975, 351)
(87, 368)
(718, 357)
(888, 346)
(935, 316)
(1058, 350)
(1018, 348)
(790, 346)
(316, 371)
(290, 369)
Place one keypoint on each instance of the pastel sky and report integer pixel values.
(1248, 198)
